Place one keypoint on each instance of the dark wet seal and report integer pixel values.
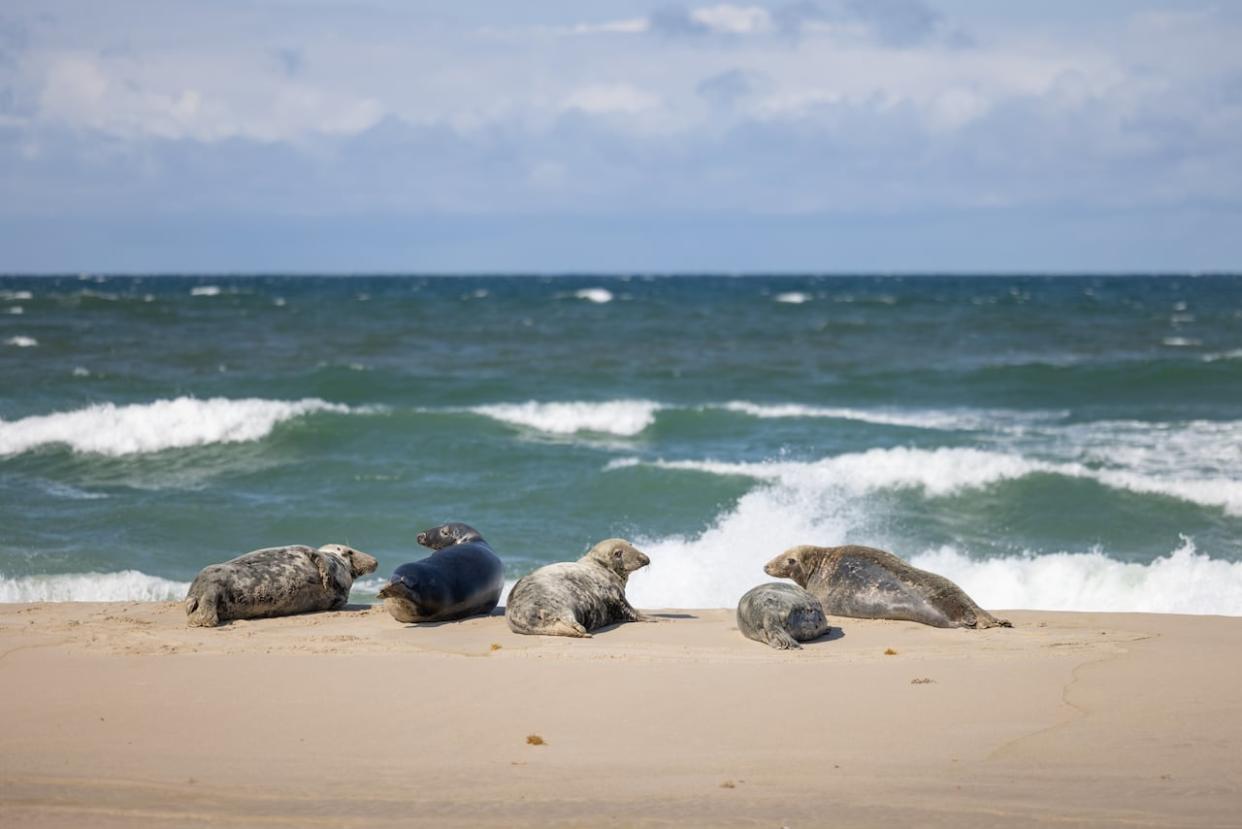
(276, 581)
(573, 598)
(463, 577)
(780, 615)
(866, 583)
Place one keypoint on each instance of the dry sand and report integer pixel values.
(120, 715)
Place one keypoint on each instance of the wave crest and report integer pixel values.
(624, 418)
(596, 295)
(125, 586)
(108, 429)
(946, 471)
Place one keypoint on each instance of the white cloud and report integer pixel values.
(622, 98)
(730, 19)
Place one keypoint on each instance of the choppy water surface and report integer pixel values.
(1047, 442)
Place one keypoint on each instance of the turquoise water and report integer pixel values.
(1047, 442)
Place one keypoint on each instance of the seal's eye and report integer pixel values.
(616, 553)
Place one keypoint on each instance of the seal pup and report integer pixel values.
(572, 598)
(780, 615)
(867, 583)
(463, 577)
(275, 581)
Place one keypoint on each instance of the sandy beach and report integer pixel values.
(119, 715)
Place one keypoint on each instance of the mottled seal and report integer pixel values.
(276, 581)
(463, 577)
(780, 615)
(573, 598)
(867, 583)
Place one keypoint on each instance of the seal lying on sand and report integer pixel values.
(574, 597)
(275, 581)
(780, 615)
(463, 577)
(867, 583)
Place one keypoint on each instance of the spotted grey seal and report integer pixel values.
(463, 577)
(275, 581)
(573, 598)
(780, 615)
(867, 583)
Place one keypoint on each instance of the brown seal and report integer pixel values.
(867, 583)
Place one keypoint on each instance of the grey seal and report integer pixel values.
(275, 581)
(573, 598)
(462, 578)
(780, 615)
(867, 583)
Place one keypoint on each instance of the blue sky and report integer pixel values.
(819, 135)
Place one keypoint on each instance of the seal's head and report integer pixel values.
(797, 563)
(619, 556)
(446, 535)
(359, 562)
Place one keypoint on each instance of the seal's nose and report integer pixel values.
(422, 539)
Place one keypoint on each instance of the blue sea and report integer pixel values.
(1046, 442)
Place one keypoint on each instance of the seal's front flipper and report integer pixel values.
(321, 564)
(202, 612)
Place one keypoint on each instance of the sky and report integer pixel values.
(808, 136)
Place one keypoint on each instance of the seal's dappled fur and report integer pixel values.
(867, 583)
(462, 578)
(780, 615)
(573, 598)
(276, 581)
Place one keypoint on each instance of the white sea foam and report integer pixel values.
(205, 290)
(1235, 354)
(21, 342)
(16, 295)
(714, 568)
(108, 429)
(1180, 342)
(16, 310)
(597, 295)
(624, 418)
(793, 297)
(964, 419)
(945, 471)
(127, 585)
(1184, 581)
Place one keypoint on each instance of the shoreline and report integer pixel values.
(119, 714)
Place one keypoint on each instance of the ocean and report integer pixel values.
(1059, 442)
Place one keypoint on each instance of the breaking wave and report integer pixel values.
(945, 471)
(108, 429)
(596, 295)
(125, 586)
(624, 418)
(964, 419)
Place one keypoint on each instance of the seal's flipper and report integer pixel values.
(781, 640)
(202, 611)
(563, 627)
(321, 564)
